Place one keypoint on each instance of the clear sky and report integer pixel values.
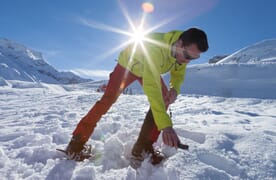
(75, 35)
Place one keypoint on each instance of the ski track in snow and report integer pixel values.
(229, 138)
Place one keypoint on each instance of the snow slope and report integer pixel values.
(18, 62)
(229, 138)
(245, 80)
(264, 51)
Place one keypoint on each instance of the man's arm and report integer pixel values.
(153, 88)
(177, 77)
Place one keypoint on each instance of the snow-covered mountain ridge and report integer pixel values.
(260, 52)
(18, 62)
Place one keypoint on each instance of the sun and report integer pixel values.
(138, 35)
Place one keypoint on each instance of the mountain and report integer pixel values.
(18, 62)
(264, 51)
(217, 58)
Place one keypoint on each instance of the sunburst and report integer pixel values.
(137, 34)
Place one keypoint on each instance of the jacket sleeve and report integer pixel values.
(153, 90)
(177, 77)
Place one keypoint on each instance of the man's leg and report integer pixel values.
(147, 136)
(149, 132)
(120, 78)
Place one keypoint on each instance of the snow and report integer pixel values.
(229, 138)
(232, 80)
(225, 113)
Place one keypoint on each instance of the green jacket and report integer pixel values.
(149, 62)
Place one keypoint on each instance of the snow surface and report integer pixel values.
(229, 138)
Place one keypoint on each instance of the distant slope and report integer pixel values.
(18, 62)
(231, 80)
(264, 51)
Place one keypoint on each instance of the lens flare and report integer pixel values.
(147, 7)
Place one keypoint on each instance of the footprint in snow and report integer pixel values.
(227, 165)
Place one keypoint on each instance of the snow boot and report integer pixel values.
(77, 150)
(143, 147)
(138, 156)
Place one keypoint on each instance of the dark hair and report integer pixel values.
(197, 36)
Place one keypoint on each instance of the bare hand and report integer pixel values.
(170, 137)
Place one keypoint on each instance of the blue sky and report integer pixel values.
(57, 28)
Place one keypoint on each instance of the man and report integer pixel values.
(161, 53)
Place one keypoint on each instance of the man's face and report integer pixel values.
(184, 54)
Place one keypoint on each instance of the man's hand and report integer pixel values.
(170, 137)
(171, 96)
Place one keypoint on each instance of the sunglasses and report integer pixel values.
(188, 56)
